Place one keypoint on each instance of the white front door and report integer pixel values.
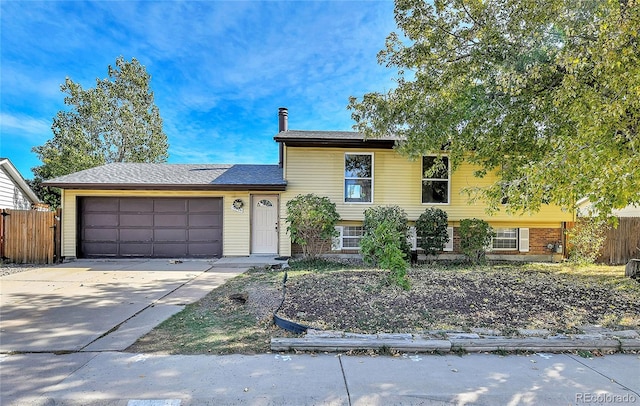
(264, 224)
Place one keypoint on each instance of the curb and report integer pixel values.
(338, 342)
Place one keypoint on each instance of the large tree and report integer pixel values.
(115, 121)
(546, 94)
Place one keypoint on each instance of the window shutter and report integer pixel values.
(336, 242)
(413, 238)
(524, 240)
(448, 246)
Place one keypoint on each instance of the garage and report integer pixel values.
(150, 227)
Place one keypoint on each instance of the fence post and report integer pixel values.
(2, 257)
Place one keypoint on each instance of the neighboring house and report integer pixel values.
(15, 193)
(169, 210)
(585, 209)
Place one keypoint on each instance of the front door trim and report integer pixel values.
(264, 224)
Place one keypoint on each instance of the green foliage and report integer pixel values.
(586, 239)
(475, 237)
(312, 220)
(543, 94)
(116, 121)
(396, 216)
(381, 247)
(431, 230)
(48, 195)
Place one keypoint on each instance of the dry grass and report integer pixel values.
(326, 295)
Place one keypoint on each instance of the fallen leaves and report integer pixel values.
(459, 298)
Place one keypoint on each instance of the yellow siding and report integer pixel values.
(235, 225)
(396, 181)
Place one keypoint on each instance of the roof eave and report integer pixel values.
(341, 143)
(146, 186)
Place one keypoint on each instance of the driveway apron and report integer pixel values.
(98, 305)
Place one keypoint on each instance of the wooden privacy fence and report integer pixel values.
(622, 243)
(30, 236)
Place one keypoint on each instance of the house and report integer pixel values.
(585, 209)
(173, 210)
(15, 193)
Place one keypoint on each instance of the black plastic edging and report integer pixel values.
(282, 322)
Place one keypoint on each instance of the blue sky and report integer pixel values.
(220, 69)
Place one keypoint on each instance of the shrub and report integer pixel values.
(587, 238)
(312, 223)
(475, 237)
(397, 219)
(381, 247)
(431, 230)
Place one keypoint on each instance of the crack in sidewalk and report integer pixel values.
(344, 377)
(603, 375)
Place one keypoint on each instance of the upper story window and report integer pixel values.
(435, 180)
(358, 178)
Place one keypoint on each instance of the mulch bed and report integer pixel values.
(363, 301)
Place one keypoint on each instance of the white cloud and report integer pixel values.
(24, 124)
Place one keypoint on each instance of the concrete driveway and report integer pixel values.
(98, 305)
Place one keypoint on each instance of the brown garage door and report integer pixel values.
(150, 227)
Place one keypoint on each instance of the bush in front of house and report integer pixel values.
(385, 241)
(587, 238)
(312, 223)
(475, 238)
(431, 230)
(397, 219)
(381, 247)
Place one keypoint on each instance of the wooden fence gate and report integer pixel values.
(30, 236)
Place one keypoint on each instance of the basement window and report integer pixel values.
(505, 239)
(351, 237)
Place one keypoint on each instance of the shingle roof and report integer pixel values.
(174, 176)
(333, 138)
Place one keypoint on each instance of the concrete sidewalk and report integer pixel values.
(64, 329)
(115, 378)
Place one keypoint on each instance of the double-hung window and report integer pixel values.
(351, 237)
(435, 180)
(505, 239)
(358, 178)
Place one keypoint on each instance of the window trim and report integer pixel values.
(516, 239)
(423, 179)
(343, 237)
(345, 178)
